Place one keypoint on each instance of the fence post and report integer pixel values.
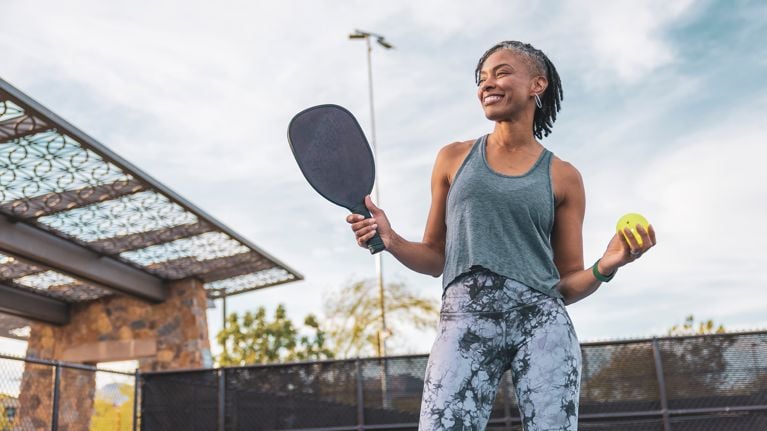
(56, 387)
(136, 382)
(221, 399)
(661, 385)
(360, 399)
(385, 396)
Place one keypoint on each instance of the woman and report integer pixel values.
(505, 231)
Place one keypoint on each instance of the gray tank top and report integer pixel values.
(502, 223)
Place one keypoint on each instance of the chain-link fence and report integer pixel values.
(713, 382)
(40, 395)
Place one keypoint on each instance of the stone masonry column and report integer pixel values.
(165, 336)
(180, 329)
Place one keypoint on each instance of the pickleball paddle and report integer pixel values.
(335, 158)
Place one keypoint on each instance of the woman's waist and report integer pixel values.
(483, 291)
(531, 266)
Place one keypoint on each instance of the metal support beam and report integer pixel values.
(29, 305)
(41, 247)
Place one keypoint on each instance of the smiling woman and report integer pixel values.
(538, 65)
(505, 233)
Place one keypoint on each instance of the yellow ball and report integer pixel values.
(631, 221)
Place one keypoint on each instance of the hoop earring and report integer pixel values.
(538, 102)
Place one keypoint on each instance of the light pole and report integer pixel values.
(359, 34)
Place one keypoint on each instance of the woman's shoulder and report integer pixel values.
(565, 178)
(457, 147)
(450, 157)
(563, 168)
(455, 150)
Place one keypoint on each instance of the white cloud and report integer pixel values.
(625, 38)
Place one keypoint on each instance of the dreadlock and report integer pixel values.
(551, 97)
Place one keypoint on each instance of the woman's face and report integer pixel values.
(507, 85)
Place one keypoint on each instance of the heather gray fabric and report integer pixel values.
(489, 324)
(501, 223)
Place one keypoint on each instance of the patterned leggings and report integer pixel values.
(490, 324)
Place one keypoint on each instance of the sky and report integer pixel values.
(662, 115)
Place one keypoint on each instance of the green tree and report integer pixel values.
(108, 416)
(691, 366)
(690, 328)
(253, 339)
(353, 315)
(622, 372)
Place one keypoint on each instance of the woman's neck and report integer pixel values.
(513, 136)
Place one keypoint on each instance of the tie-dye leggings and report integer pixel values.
(490, 324)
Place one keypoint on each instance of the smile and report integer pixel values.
(492, 98)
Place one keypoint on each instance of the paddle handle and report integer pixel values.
(375, 244)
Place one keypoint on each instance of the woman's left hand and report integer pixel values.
(621, 251)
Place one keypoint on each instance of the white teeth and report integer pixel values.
(492, 99)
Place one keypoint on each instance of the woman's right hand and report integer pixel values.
(364, 229)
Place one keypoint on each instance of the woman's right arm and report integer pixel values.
(428, 255)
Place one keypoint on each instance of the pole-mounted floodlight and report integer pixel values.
(384, 332)
(359, 34)
(381, 41)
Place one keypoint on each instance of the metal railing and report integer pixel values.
(712, 382)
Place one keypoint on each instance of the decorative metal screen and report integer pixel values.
(57, 179)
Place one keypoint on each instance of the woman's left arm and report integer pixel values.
(576, 282)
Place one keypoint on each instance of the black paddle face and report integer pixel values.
(334, 156)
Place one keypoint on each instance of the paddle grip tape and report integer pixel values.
(375, 244)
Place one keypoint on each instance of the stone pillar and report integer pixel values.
(166, 336)
(35, 401)
(182, 332)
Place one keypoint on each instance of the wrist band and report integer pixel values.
(598, 275)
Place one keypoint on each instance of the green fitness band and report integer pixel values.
(598, 275)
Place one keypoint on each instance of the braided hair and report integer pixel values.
(551, 97)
